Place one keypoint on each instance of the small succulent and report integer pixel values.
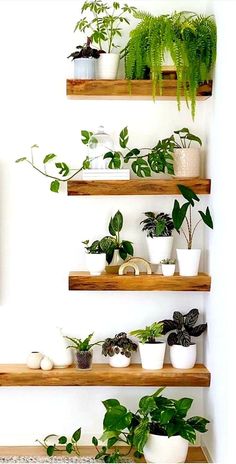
(157, 225)
(85, 51)
(184, 327)
(119, 344)
(168, 261)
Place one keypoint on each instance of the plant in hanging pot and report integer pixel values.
(186, 160)
(183, 352)
(152, 351)
(168, 266)
(83, 350)
(95, 257)
(84, 59)
(104, 26)
(159, 238)
(119, 349)
(189, 259)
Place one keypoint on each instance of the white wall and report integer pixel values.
(41, 232)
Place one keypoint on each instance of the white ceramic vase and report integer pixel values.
(46, 364)
(183, 357)
(60, 355)
(107, 65)
(162, 450)
(95, 263)
(188, 261)
(159, 248)
(34, 359)
(168, 269)
(186, 162)
(152, 355)
(119, 360)
(84, 68)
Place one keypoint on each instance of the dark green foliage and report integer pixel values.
(111, 243)
(119, 344)
(96, 247)
(186, 138)
(62, 444)
(85, 51)
(157, 225)
(184, 327)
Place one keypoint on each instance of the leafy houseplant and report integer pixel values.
(113, 242)
(188, 37)
(152, 351)
(186, 159)
(85, 51)
(159, 238)
(84, 60)
(182, 351)
(83, 349)
(95, 257)
(119, 349)
(168, 266)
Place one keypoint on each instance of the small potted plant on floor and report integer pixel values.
(183, 352)
(83, 350)
(84, 59)
(95, 257)
(119, 349)
(168, 266)
(158, 228)
(186, 159)
(152, 350)
(188, 259)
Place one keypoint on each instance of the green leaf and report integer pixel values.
(62, 440)
(141, 433)
(19, 160)
(160, 227)
(198, 423)
(147, 404)
(183, 405)
(109, 434)
(122, 253)
(69, 448)
(115, 162)
(194, 138)
(86, 135)
(188, 432)
(166, 416)
(86, 163)
(54, 186)
(132, 153)
(110, 403)
(173, 428)
(141, 168)
(50, 450)
(117, 418)
(34, 146)
(179, 214)
(111, 442)
(49, 157)
(188, 194)
(128, 247)
(124, 137)
(107, 244)
(76, 435)
(63, 169)
(95, 441)
(111, 228)
(117, 221)
(206, 217)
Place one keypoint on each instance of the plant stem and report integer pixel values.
(53, 177)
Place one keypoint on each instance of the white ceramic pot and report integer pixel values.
(119, 360)
(84, 68)
(57, 351)
(34, 359)
(168, 269)
(107, 65)
(152, 355)
(159, 449)
(96, 263)
(186, 162)
(46, 364)
(183, 357)
(159, 248)
(188, 261)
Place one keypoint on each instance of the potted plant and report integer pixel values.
(187, 162)
(183, 352)
(119, 349)
(84, 59)
(104, 26)
(152, 351)
(159, 238)
(188, 259)
(83, 350)
(95, 257)
(168, 266)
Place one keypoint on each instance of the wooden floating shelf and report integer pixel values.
(84, 281)
(14, 375)
(124, 89)
(136, 186)
(195, 453)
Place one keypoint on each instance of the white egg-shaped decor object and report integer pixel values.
(34, 359)
(46, 364)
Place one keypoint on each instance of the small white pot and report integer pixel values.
(183, 357)
(119, 360)
(107, 65)
(188, 261)
(46, 364)
(96, 263)
(84, 68)
(168, 269)
(159, 248)
(34, 359)
(186, 162)
(159, 449)
(152, 355)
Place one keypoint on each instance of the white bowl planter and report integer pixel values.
(107, 66)
(84, 68)
(188, 261)
(119, 360)
(152, 355)
(161, 449)
(168, 269)
(183, 357)
(96, 263)
(186, 162)
(159, 248)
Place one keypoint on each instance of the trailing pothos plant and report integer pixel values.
(61, 444)
(183, 327)
(179, 215)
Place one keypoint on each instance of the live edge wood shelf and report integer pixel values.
(84, 281)
(124, 89)
(136, 186)
(12, 375)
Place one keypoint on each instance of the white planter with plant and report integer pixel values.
(186, 160)
(189, 258)
(183, 352)
(168, 266)
(159, 449)
(159, 238)
(84, 59)
(95, 257)
(119, 349)
(152, 351)
(103, 26)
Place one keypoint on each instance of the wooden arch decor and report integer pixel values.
(134, 264)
